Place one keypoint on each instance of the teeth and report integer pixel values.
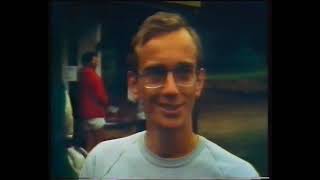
(170, 107)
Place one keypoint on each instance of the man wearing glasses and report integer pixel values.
(167, 78)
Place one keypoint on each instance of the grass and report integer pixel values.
(251, 147)
(239, 126)
(256, 75)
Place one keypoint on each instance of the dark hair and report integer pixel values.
(158, 24)
(87, 58)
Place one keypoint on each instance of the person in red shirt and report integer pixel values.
(93, 101)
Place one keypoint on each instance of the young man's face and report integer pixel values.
(168, 104)
(95, 61)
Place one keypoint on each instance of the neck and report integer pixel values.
(90, 66)
(171, 143)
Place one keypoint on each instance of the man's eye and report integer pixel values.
(184, 71)
(155, 72)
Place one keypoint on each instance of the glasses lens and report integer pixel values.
(154, 77)
(184, 76)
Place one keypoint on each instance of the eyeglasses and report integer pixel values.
(155, 77)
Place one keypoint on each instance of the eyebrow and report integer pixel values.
(180, 65)
(185, 65)
(153, 67)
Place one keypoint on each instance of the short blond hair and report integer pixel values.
(158, 24)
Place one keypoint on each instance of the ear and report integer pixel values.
(132, 86)
(200, 82)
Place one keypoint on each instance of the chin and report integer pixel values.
(168, 122)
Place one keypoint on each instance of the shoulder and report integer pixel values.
(114, 145)
(229, 164)
(87, 71)
(88, 75)
(102, 157)
(109, 151)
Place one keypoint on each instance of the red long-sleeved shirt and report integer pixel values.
(93, 96)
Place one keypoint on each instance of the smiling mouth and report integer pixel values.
(170, 110)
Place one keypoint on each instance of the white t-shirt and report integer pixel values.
(128, 158)
(68, 116)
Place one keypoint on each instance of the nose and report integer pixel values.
(170, 87)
